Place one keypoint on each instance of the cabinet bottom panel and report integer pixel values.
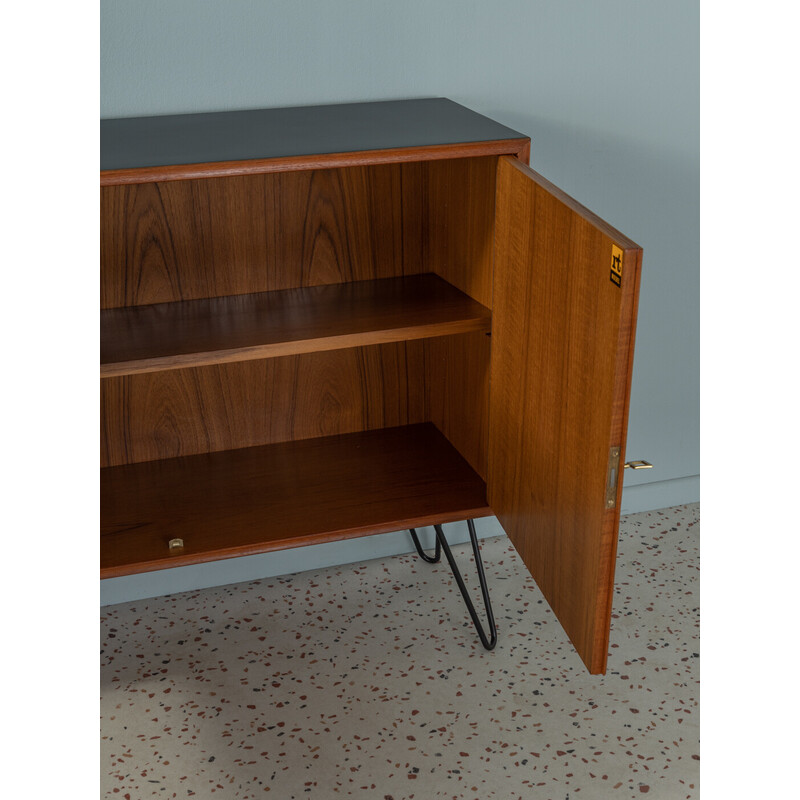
(271, 497)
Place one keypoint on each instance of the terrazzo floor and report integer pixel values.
(368, 681)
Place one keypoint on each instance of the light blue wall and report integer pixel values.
(607, 89)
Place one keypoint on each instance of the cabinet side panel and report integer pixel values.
(457, 392)
(184, 240)
(459, 208)
(459, 215)
(206, 409)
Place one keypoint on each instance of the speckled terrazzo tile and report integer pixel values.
(368, 681)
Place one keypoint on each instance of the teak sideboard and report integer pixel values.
(325, 322)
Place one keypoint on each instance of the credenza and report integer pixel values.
(326, 322)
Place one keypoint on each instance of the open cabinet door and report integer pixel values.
(563, 321)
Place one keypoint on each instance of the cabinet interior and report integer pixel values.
(180, 383)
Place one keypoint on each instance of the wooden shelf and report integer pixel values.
(269, 324)
(256, 499)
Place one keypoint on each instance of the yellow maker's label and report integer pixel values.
(616, 265)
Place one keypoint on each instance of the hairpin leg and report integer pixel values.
(434, 559)
(441, 544)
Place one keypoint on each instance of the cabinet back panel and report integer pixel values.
(172, 413)
(184, 240)
(205, 409)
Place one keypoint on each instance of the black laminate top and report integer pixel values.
(136, 142)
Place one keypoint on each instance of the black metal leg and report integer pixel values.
(434, 559)
(441, 544)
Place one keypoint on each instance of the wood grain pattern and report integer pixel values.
(623, 374)
(561, 348)
(457, 393)
(241, 502)
(459, 215)
(227, 169)
(206, 409)
(289, 322)
(165, 242)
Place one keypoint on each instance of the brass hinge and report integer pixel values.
(612, 477)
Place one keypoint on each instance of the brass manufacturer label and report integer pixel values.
(616, 265)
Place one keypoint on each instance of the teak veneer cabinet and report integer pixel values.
(325, 322)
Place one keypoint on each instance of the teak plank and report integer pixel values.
(562, 349)
(190, 240)
(182, 412)
(457, 392)
(271, 324)
(460, 201)
(241, 502)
